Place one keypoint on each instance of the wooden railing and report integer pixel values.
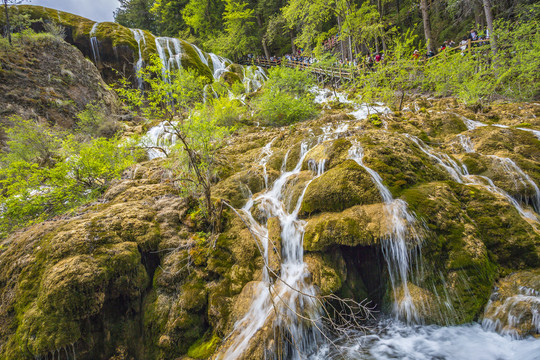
(348, 72)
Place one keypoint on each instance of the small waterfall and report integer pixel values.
(518, 176)
(167, 54)
(158, 140)
(94, 43)
(466, 143)
(395, 249)
(515, 311)
(203, 58)
(219, 64)
(139, 35)
(267, 153)
(460, 174)
(289, 302)
(254, 76)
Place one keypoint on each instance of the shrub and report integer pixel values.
(285, 97)
(279, 108)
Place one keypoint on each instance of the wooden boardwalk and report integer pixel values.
(344, 73)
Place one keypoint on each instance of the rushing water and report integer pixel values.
(393, 340)
(396, 246)
(94, 43)
(139, 36)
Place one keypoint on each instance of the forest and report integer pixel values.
(235, 28)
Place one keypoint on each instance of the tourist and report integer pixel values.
(416, 55)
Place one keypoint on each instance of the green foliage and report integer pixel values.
(136, 14)
(93, 122)
(285, 97)
(31, 142)
(238, 37)
(55, 29)
(44, 174)
(170, 93)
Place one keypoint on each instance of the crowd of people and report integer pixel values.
(369, 60)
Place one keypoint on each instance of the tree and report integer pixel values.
(136, 14)
(176, 98)
(427, 25)
(8, 24)
(489, 20)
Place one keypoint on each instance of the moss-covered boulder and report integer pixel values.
(359, 225)
(515, 304)
(339, 188)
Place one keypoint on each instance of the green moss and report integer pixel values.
(339, 188)
(359, 225)
(203, 349)
(190, 59)
(230, 77)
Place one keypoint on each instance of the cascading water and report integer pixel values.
(396, 247)
(158, 140)
(139, 35)
(219, 65)
(288, 303)
(460, 174)
(94, 43)
(507, 317)
(203, 58)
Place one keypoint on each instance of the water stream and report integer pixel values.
(94, 43)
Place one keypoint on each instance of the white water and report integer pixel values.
(94, 43)
(219, 65)
(254, 77)
(291, 294)
(159, 137)
(203, 58)
(460, 174)
(396, 247)
(516, 310)
(139, 35)
(466, 143)
(395, 340)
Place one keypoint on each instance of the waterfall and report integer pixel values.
(169, 55)
(460, 174)
(254, 76)
(507, 317)
(282, 302)
(466, 143)
(395, 249)
(139, 35)
(158, 140)
(201, 54)
(94, 43)
(219, 65)
(518, 176)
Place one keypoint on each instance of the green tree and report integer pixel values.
(176, 97)
(136, 14)
(285, 97)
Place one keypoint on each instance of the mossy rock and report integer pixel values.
(327, 275)
(74, 288)
(203, 349)
(359, 225)
(231, 77)
(339, 188)
(332, 153)
(473, 235)
(515, 304)
(399, 162)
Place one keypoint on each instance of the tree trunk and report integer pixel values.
(489, 20)
(398, 15)
(293, 47)
(427, 25)
(8, 26)
(263, 40)
(341, 42)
